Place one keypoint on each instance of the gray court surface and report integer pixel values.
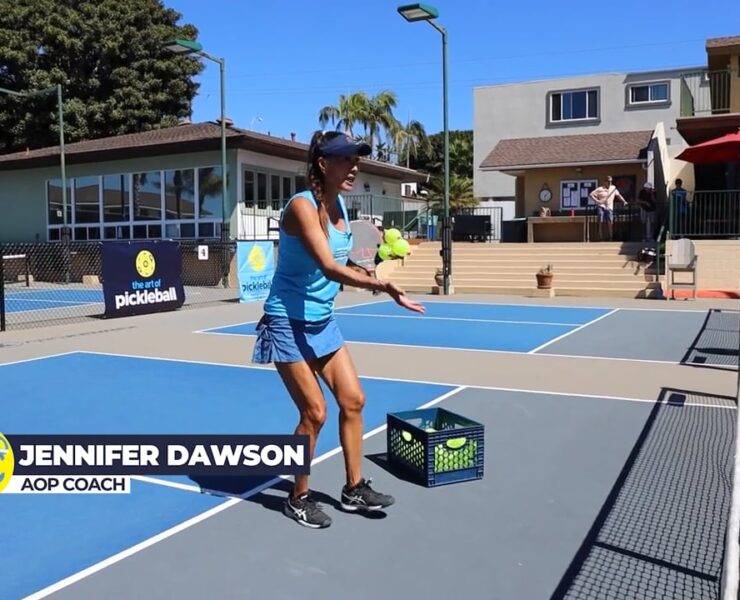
(635, 335)
(582, 498)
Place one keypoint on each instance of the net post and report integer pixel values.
(729, 583)
(2, 289)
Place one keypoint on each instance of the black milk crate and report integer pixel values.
(435, 445)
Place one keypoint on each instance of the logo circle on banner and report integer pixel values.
(145, 263)
(257, 259)
(7, 462)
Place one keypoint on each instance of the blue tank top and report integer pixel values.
(299, 289)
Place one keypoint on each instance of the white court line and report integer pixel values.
(479, 350)
(167, 483)
(212, 330)
(66, 582)
(422, 318)
(565, 335)
(401, 380)
(570, 306)
(25, 360)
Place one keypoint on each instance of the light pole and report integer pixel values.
(425, 12)
(60, 116)
(184, 47)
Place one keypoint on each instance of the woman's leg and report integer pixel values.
(303, 386)
(339, 373)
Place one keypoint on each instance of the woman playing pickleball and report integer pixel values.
(298, 332)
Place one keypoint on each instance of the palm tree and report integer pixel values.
(351, 109)
(461, 192)
(411, 139)
(374, 114)
(380, 116)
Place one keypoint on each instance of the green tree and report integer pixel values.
(411, 140)
(349, 111)
(373, 113)
(430, 158)
(116, 77)
(461, 191)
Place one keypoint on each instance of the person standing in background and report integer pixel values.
(604, 197)
(646, 201)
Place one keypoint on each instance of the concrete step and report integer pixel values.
(544, 256)
(626, 278)
(583, 275)
(631, 248)
(593, 292)
(433, 262)
(523, 282)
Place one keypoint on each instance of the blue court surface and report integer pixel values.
(30, 300)
(55, 536)
(654, 335)
(496, 327)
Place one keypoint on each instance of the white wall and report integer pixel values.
(521, 110)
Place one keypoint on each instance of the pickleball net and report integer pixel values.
(730, 586)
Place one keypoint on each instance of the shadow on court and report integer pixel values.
(717, 345)
(661, 529)
(380, 459)
(271, 498)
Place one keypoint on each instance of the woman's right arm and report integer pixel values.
(303, 222)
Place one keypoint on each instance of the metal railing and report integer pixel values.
(705, 93)
(705, 214)
(627, 225)
(54, 283)
(384, 211)
(477, 223)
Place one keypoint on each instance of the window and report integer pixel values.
(56, 202)
(249, 194)
(179, 203)
(649, 93)
(574, 193)
(179, 195)
(577, 105)
(261, 191)
(116, 205)
(147, 189)
(275, 192)
(209, 193)
(87, 200)
(267, 191)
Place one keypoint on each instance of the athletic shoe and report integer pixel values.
(363, 497)
(306, 511)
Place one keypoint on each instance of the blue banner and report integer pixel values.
(141, 277)
(256, 264)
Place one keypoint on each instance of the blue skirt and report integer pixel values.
(285, 340)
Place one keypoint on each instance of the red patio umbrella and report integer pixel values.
(718, 150)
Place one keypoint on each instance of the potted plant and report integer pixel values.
(544, 278)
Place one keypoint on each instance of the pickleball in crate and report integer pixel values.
(435, 445)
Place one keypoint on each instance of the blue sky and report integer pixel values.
(286, 59)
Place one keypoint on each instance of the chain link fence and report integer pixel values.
(54, 283)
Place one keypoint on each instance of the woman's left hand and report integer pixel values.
(402, 299)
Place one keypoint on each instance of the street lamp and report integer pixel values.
(60, 116)
(425, 12)
(185, 47)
